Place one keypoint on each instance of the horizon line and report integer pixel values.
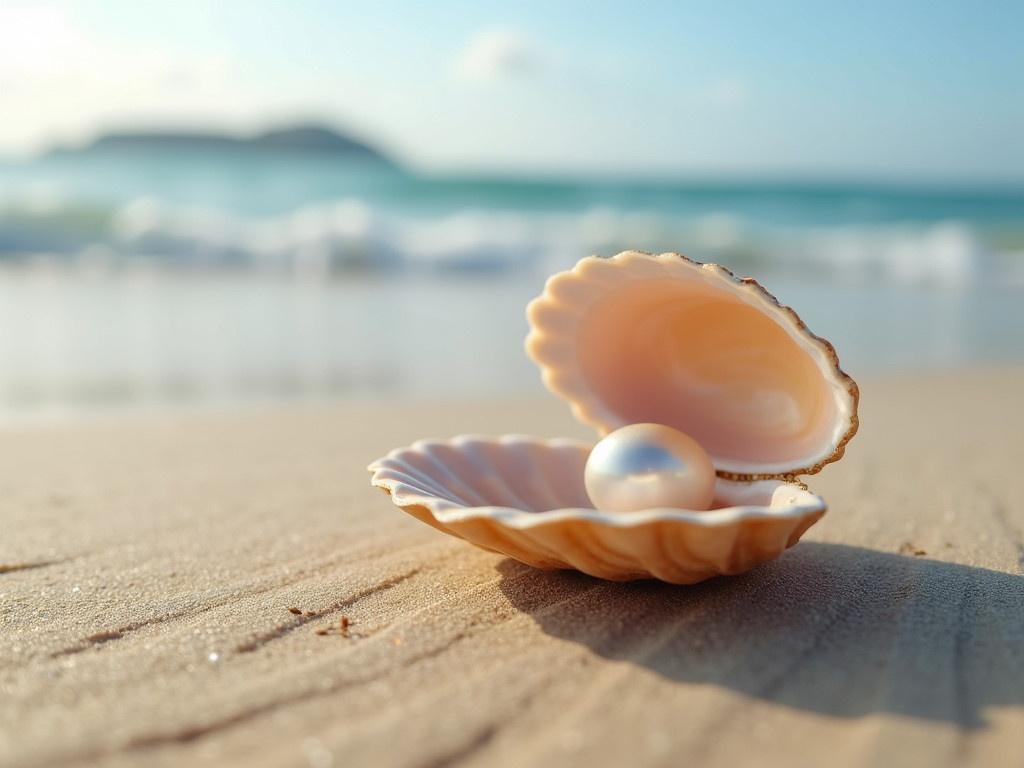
(550, 172)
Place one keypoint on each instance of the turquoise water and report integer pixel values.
(274, 185)
(146, 279)
(293, 211)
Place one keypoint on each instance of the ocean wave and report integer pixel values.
(350, 235)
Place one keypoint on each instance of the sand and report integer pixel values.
(173, 588)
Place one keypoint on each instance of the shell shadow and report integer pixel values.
(839, 630)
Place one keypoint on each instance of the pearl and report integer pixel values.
(644, 466)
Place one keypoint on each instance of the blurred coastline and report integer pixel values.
(154, 276)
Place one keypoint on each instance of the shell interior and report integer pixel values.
(642, 338)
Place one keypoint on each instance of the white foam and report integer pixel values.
(350, 234)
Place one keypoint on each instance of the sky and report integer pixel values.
(907, 90)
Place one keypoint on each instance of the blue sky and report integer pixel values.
(908, 90)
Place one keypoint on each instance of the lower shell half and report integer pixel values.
(524, 497)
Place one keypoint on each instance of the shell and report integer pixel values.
(644, 338)
(525, 497)
(664, 339)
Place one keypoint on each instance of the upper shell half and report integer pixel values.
(663, 339)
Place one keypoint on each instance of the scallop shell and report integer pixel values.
(524, 497)
(644, 338)
(664, 339)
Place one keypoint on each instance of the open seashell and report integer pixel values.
(663, 339)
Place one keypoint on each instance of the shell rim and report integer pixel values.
(446, 512)
(574, 391)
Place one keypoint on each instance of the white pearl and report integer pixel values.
(644, 466)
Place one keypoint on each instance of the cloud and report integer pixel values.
(497, 54)
(38, 39)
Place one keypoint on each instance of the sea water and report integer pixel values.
(145, 278)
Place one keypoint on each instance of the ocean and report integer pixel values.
(154, 279)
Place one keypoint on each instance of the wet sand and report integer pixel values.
(173, 591)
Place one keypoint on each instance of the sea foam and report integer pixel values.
(352, 235)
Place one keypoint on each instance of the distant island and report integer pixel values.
(302, 139)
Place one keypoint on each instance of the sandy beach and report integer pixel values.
(173, 588)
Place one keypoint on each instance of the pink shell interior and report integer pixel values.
(692, 356)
